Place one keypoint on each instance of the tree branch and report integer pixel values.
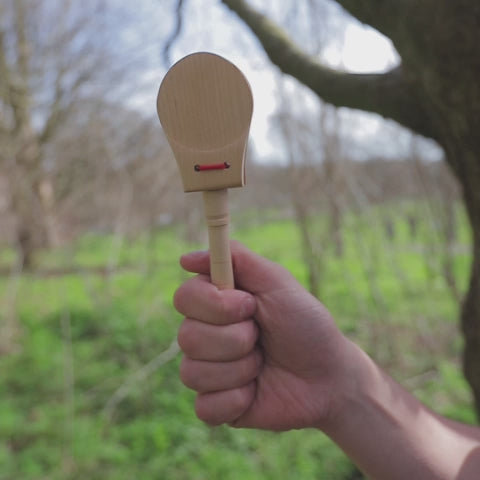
(5, 80)
(175, 32)
(383, 15)
(64, 99)
(20, 95)
(5, 83)
(387, 94)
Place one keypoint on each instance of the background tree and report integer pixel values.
(56, 59)
(42, 71)
(315, 171)
(434, 92)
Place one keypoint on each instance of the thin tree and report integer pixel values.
(52, 56)
(434, 92)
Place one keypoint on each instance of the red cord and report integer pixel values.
(212, 166)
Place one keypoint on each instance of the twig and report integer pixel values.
(169, 354)
(177, 30)
(420, 380)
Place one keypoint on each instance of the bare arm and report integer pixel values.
(268, 355)
(389, 434)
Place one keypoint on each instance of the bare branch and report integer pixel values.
(5, 80)
(175, 33)
(388, 94)
(65, 98)
(151, 367)
(23, 46)
(5, 87)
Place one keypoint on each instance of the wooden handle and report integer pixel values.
(216, 214)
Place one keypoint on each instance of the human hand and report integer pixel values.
(265, 355)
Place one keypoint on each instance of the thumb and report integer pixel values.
(252, 272)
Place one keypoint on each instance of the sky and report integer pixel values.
(346, 44)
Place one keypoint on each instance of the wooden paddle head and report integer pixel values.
(205, 107)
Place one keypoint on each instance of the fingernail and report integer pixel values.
(248, 306)
(196, 254)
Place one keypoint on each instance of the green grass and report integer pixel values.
(81, 335)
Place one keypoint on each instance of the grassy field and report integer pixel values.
(89, 386)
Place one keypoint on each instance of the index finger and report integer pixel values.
(199, 299)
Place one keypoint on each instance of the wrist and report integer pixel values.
(352, 389)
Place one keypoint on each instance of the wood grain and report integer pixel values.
(205, 107)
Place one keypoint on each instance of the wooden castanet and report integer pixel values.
(205, 107)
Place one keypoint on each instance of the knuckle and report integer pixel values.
(220, 305)
(179, 298)
(249, 368)
(234, 309)
(227, 310)
(187, 375)
(186, 338)
(211, 411)
(202, 411)
(248, 336)
(240, 399)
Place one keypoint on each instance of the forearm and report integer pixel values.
(390, 435)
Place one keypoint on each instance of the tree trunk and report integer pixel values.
(462, 148)
(46, 195)
(449, 226)
(470, 313)
(25, 246)
(310, 259)
(470, 318)
(25, 205)
(333, 173)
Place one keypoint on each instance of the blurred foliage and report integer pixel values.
(96, 312)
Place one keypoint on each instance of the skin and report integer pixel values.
(268, 355)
